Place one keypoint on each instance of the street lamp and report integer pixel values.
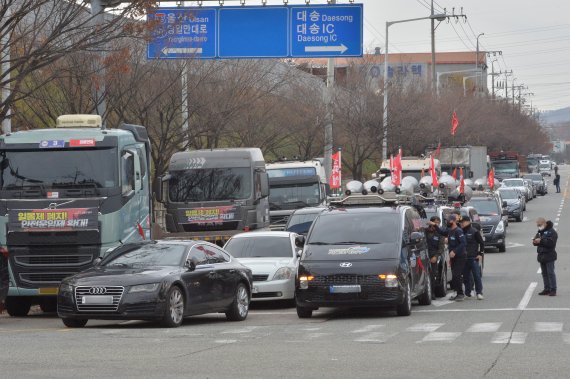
(438, 17)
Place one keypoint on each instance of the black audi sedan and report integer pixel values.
(157, 281)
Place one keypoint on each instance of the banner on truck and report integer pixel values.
(45, 220)
(336, 173)
(209, 215)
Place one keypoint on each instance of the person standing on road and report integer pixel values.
(456, 244)
(475, 250)
(557, 182)
(545, 242)
(436, 246)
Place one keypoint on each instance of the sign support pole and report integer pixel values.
(330, 115)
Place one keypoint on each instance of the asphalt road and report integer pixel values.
(513, 333)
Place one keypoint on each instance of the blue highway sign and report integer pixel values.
(257, 32)
(182, 33)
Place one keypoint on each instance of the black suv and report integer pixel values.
(493, 226)
(364, 257)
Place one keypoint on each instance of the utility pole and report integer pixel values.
(477, 63)
(5, 69)
(330, 115)
(184, 98)
(97, 14)
(493, 74)
(433, 75)
(507, 74)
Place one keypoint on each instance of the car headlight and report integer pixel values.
(65, 287)
(283, 273)
(144, 288)
(500, 227)
(304, 281)
(390, 280)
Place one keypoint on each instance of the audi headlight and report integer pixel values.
(144, 288)
(283, 273)
(65, 287)
(500, 227)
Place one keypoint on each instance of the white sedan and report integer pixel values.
(272, 258)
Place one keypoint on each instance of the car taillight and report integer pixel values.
(4, 252)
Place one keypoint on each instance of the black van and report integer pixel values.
(369, 256)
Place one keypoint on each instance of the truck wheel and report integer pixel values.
(502, 248)
(18, 306)
(49, 305)
(74, 322)
(405, 309)
(441, 287)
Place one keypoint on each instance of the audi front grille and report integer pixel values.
(115, 291)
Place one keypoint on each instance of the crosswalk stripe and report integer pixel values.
(377, 337)
(548, 326)
(368, 328)
(424, 327)
(441, 337)
(485, 327)
(508, 337)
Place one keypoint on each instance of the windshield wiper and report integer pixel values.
(356, 242)
(319, 243)
(274, 206)
(298, 202)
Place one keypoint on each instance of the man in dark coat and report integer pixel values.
(475, 250)
(557, 182)
(436, 248)
(545, 242)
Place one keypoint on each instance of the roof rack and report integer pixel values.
(375, 199)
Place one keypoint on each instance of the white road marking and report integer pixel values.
(485, 327)
(311, 329)
(557, 219)
(555, 224)
(376, 337)
(511, 245)
(225, 341)
(491, 310)
(539, 270)
(505, 337)
(527, 296)
(424, 327)
(525, 219)
(247, 329)
(548, 326)
(368, 328)
(440, 303)
(440, 337)
(313, 336)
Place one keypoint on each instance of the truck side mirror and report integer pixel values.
(264, 184)
(157, 189)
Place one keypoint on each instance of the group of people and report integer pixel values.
(466, 249)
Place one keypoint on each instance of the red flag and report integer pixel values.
(438, 151)
(491, 179)
(454, 123)
(336, 174)
(397, 169)
(461, 181)
(433, 173)
(454, 173)
(140, 230)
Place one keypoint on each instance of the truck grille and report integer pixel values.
(43, 278)
(53, 260)
(260, 278)
(278, 222)
(115, 291)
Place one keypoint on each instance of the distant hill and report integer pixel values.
(556, 116)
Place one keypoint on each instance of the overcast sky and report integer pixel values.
(533, 35)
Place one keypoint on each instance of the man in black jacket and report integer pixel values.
(545, 242)
(436, 249)
(456, 244)
(475, 250)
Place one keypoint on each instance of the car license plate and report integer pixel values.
(345, 289)
(48, 291)
(97, 300)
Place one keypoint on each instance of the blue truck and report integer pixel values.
(69, 195)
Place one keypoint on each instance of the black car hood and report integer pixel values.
(360, 259)
(119, 276)
(490, 220)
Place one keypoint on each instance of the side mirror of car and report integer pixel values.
(505, 204)
(97, 261)
(300, 241)
(191, 264)
(299, 253)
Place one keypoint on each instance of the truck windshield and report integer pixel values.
(505, 166)
(294, 196)
(210, 184)
(59, 168)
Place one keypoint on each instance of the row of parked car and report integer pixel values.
(362, 250)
